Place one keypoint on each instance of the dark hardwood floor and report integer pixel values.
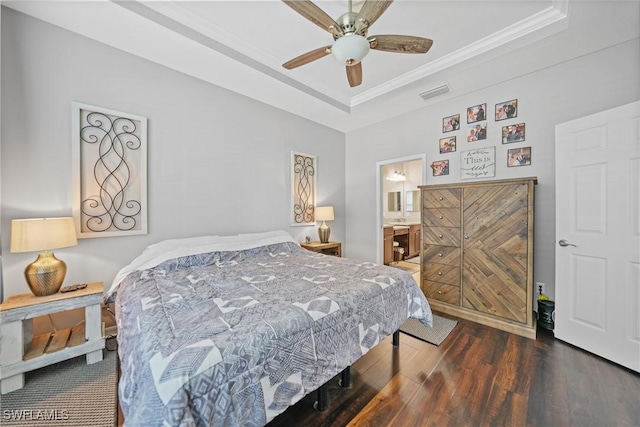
(479, 376)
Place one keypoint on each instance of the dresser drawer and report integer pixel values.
(449, 274)
(449, 255)
(441, 217)
(441, 292)
(446, 236)
(446, 198)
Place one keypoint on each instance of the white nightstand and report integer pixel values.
(19, 353)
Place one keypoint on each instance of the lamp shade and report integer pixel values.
(324, 213)
(42, 234)
(350, 49)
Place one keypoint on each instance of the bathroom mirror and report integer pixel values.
(413, 201)
(395, 201)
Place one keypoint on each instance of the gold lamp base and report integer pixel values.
(324, 232)
(46, 274)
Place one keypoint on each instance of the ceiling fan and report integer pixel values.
(349, 31)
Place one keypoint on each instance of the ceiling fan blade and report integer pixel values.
(305, 58)
(354, 74)
(370, 12)
(400, 44)
(314, 14)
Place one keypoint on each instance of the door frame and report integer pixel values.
(379, 198)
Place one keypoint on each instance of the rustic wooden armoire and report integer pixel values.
(477, 252)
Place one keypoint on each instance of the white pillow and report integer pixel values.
(163, 246)
(160, 252)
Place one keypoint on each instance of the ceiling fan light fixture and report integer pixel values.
(350, 49)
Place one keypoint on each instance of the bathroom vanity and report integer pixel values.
(408, 237)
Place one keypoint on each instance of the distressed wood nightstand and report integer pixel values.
(19, 353)
(330, 248)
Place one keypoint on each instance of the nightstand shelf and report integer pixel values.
(19, 353)
(330, 248)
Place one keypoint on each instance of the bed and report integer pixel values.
(233, 330)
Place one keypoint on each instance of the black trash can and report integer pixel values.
(547, 314)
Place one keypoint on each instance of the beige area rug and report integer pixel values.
(441, 329)
(69, 394)
(406, 266)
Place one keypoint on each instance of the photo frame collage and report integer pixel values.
(480, 162)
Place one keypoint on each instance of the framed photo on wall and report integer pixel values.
(507, 110)
(447, 145)
(451, 123)
(476, 132)
(519, 157)
(513, 133)
(477, 113)
(440, 167)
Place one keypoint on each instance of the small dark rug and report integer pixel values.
(70, 394)
(441, 329)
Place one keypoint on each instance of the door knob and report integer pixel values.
(565, 243)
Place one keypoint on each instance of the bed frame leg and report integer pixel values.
(321, 403)
(345, 377)
(396, 339)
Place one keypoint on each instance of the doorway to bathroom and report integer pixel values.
(398, 209)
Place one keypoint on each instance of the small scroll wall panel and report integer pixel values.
(477, 252)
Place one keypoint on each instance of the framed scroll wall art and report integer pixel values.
(303, 189)
(109, 172)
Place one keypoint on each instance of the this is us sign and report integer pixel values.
(478, 163)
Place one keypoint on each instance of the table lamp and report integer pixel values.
(324, 213)
(46, 274)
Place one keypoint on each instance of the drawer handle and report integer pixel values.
(440, 217)
(440, 292)
(440, 254)
(440, 236)
(441, 198)
(439, 273)
(466, 236)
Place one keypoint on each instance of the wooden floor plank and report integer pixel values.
(385, 406)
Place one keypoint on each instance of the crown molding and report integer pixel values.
(558, 12)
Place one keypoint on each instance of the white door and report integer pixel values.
(597, 234)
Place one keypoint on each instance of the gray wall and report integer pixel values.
(573, 89)
(218, 163)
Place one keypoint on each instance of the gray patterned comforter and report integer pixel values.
(233, 338)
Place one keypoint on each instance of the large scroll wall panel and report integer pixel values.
(477, 256)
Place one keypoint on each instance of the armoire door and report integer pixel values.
(598, 234)
(495, 242)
